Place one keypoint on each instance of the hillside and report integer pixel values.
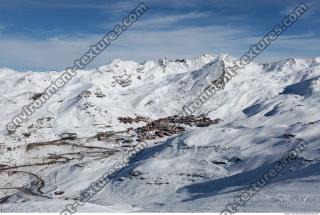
(232, 140)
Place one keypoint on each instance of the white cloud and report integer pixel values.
(133, 44)
(168, 20)
(161, 20)
(42, 54)
(139, 45)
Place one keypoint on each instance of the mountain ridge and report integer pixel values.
(96, 118)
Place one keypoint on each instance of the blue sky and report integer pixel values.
(50, 34)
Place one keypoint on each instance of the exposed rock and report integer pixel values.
(36, 96)
(58, 192)
(68, 136)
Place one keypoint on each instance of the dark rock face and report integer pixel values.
(36, 96)
(68, 136)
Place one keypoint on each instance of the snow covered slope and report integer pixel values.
(264, 112)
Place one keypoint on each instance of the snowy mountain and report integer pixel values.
(235, 137)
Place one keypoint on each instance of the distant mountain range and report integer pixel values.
(235, 137)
